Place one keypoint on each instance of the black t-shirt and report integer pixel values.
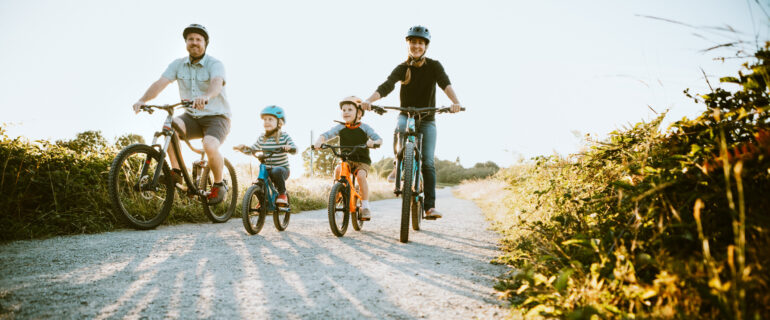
(421, 90)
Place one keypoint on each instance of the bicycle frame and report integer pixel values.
(264, 177)
(410, 135)
(346, 177)
(171, 138)
(271, 192)
(350, 183)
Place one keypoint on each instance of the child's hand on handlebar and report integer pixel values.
(373, 144)
(242, 148)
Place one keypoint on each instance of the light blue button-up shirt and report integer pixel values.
(194, 81)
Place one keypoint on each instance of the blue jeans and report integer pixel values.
(279, 175)
(428, 130)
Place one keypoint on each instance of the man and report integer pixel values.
(201, 78)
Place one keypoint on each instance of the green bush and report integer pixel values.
(54, 188)
(650, 224)
(447, 172)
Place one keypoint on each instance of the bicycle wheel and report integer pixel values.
(221, 212)
(142, 206)
(417, 204)
(254, 208)
(338, 209)
(406, 194)
(356, 216)
(281, 217)
(417, 207)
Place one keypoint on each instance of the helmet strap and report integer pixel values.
(196, 59)
(352, 125)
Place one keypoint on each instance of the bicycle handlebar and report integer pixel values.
(417, 110)
(378, 110)
(167, 107)
(266, 153)
(341, 153)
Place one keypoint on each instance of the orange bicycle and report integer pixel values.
(344, 199)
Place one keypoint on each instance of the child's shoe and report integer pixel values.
(282, 200)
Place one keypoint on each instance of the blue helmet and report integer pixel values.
(419, 32)
(274, 111)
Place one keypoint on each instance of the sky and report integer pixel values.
(535, 76)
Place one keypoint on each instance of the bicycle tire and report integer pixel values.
(223, 211)
(281, 218)
(338, 204)
(355, 218)
(254, 201)
(417, 204)
(406, 193)
(137, 207)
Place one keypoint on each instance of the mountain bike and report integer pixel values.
(344, 199)
(259, 199)
(409, 182)
(140, 185)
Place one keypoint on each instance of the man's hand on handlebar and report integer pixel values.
(200, 102)
(455, 108)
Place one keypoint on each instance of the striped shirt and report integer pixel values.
(280, 159)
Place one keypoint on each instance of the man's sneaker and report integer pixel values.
(366, 214)
(282, 200)
(432, 214)
(217, 194)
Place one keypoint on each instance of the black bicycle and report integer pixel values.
(409, 182)
(140, 183)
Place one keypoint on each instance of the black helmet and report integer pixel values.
(196, 28)
(419, 32)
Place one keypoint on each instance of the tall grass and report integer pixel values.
(649, 223)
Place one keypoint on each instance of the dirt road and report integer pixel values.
(218, 271)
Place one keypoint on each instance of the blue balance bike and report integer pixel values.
(259, 199)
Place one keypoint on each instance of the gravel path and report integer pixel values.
(218, 271)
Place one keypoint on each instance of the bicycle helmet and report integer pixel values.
(419, 32)
(274, 111)
(354, 100)
(196, 28)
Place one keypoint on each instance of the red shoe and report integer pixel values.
(282, 200)
(217, 193)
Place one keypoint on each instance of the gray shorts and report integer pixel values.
(196, 128)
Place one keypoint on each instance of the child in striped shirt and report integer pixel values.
(274, 118)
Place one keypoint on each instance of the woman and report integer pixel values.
(419, 76)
